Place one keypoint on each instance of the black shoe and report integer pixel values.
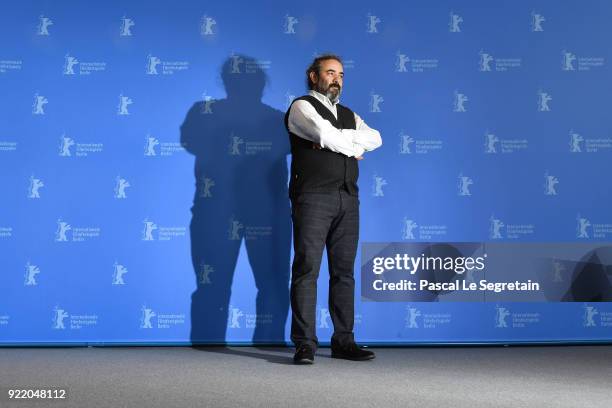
(351, 351)
(304, 354)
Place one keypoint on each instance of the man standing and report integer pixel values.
(327, 139)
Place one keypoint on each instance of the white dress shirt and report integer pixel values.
(305, 122)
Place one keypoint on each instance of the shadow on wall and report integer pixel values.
(240, 147)
(591, 277)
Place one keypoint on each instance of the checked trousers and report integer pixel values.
(321, 221)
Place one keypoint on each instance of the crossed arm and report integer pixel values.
(305, 122)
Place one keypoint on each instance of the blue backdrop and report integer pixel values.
(494, 122)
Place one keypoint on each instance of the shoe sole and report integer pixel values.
(304, 361)
(345, 357)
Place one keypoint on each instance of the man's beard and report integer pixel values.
(332, 91)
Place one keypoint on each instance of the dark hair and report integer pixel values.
(316, 66)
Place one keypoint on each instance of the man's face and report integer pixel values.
(330, 79)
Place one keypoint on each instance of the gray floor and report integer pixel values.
(252, 377)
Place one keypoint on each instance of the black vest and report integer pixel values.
(321, 170)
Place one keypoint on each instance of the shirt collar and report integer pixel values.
(322, 98)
